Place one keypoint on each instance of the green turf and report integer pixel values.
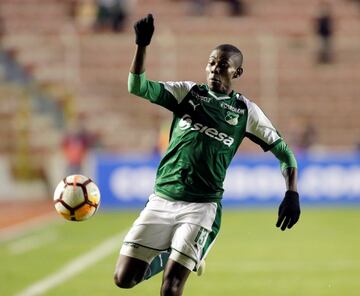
(320, 256)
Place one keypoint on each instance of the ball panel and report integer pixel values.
(73, 196)
(62, 210)
(84, 212)
(80, 179)
(93, 193)
(59, 189)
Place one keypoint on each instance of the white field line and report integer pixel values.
(247, 267)
(74, 267)
(30, 243)
(22, 228)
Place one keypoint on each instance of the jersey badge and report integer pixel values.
(232, 118)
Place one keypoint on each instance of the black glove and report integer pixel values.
(144, 30)
(289, 210)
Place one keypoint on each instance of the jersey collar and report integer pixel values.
(218, 96)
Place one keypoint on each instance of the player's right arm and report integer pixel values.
(137, 82)
(144, 29)
(167, 94)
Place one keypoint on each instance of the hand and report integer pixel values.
(289, 210)
(144, 29)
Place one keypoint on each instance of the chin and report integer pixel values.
(214, 87)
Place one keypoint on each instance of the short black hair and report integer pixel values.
(230, 49)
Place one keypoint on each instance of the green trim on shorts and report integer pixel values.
(136, 244)
(187, 256)
(215, 228)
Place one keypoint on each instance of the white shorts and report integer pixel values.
(188, 229)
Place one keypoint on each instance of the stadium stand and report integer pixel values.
(280, 69)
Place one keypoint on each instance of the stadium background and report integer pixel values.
(59, 75)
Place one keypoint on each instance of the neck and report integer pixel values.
(221, 92)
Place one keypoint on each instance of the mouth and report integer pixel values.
(214, 80)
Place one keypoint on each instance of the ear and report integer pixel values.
(238, 72)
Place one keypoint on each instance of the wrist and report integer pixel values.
(142, 45)
(291, 193)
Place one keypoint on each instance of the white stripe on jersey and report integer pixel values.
(258, 124)
(179, 89)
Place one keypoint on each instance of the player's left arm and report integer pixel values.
(260, 130)
(289, 209)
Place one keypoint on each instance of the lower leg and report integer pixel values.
(174, 279)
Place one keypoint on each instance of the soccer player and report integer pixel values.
(181, 220)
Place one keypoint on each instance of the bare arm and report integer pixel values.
(289, 209)
(290, 175)
(138, 62)
(144, 29)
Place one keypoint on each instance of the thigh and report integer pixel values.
(150, 234)
(192, 242)
(152, 230)
(140, 246)
(147, 239)
(187, 245)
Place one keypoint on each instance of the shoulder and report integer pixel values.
(174, 85)
(253, 109)
(178, 89)
(241, 98)
(256, 115)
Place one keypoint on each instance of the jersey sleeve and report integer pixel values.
(284, 154)
(167, 94)
(259, 129)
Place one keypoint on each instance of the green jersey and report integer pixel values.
(206, 131)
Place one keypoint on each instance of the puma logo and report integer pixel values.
(193, 104)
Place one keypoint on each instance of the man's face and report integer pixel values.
(222, 67)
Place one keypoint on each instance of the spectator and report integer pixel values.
(236, 7)
(324, 30)
(104, 11)
(2, 31)
(357, 2)
(76, 143)
(303, 134)
(85, 15)
(111, 15)
(119, 15)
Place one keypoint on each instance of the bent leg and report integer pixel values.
(135, 264)
(129, 271)
(174, 279)
(157, 264)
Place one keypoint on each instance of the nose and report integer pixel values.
(214, 69)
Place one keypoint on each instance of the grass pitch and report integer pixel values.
(319, 256)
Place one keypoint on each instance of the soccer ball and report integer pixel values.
(76, 198)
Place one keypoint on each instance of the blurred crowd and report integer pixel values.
(114, 16)
(235, 7)
(100, 15)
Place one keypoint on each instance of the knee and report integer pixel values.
(124, 282)
(171, 287)
(129, 272)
